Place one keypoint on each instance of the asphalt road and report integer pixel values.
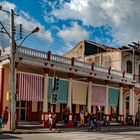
(73, 136)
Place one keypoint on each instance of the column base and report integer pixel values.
(121, 119)
(130, 120)
(44, 119)
(70, 122)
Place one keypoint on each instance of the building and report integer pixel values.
(91, 76)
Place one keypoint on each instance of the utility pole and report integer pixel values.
(12, 72)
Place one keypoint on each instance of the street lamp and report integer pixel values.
(13, 50)
(36, 29)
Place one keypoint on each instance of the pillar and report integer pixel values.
(121, 101)
(69, 104)
(131, 102)
(89, 96)
(121, 115)
(131, 106)
(45, 97)
(106, 112)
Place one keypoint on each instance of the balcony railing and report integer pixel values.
(103, 71)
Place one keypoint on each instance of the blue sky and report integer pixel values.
(64, 23)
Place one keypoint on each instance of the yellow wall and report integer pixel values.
(34, 106)
(77, 108)
(6, 86)
(57, 108)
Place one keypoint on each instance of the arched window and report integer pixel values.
(129, 67)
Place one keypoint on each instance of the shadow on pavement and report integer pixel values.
(8, 136)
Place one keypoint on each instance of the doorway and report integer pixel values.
(100, 112)
(126, 108)
(21, 110)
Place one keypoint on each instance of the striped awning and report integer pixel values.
(98, 95)
(30, 87)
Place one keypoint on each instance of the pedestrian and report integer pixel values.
(137, 119)
(1, 122)
(66, 114)
(105, 121)
(81, 117)
(5, 115)
(50, 121)
(54, 120)
(86, 116)
(75, 121)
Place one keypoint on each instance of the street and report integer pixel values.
(73, 136)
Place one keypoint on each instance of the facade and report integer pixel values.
(103, 85)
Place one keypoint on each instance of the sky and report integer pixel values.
(64, 23)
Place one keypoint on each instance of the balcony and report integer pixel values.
(40, 58)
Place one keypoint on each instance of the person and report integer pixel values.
(86, 116)
(137, 119)
(54, 120)
(50, 121)
(1, 122)
(5, 115)
(104, 121)
(75, 121)
(66, 114)
(81, 117)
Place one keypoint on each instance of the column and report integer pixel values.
(69, 104)
(106, 112)
(121, 101)
(131, 106)
(45, 97)
(121, 115)
(89, 97)
(44, 115)
(131, 102)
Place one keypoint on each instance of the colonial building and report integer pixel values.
(91, 76)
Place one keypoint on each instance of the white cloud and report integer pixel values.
(27, 22)
(122, 15)
(8, 6)
(74, 33)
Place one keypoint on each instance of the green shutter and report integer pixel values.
(113, 97)
(49, 89)
(62, 93)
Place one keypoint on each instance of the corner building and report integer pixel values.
(91, 76)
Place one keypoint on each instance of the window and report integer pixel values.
(129, 67)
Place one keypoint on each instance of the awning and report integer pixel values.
(98, 95)
(62, 93)
(113, 96)
(79, 93)
(30, 87)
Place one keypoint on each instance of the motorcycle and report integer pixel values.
(94, 125)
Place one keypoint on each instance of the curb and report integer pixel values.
(30, 132)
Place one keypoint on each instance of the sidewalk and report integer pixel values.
(84, 129)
